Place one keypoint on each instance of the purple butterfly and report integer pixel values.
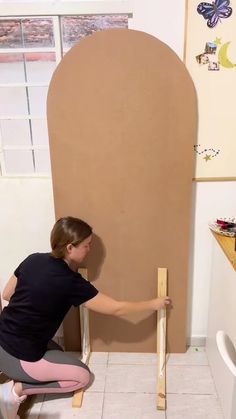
(215, 11)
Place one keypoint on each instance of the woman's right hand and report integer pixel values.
(161, 302)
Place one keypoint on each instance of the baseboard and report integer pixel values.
(191, 341)
(196, 341)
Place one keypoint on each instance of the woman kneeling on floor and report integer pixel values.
(40, 293)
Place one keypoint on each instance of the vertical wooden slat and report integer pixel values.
(161, 341)
(85, 342)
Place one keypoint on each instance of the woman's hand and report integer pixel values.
(161, 302)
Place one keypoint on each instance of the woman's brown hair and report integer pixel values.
(68, 230)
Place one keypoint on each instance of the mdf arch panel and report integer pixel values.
(122, 121)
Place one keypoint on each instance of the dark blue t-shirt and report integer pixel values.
(46, 289)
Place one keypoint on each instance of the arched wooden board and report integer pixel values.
(122, 120)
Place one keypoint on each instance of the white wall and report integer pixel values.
(162, 19)
(26, 205)
(26, 218)
(212, 200)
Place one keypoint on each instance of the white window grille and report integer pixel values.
(34, 36)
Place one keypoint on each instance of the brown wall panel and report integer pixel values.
(122, 120)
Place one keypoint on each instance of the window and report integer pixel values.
(30, 49)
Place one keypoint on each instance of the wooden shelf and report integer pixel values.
(227, 244)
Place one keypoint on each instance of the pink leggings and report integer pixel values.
(56, 372)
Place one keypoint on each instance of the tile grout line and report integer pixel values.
(41, 406)
(38, 416)
(217, 395)
(104, 392)
(153, 393)
(169, 365)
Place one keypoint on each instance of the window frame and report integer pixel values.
(41, 9)
(63, 7)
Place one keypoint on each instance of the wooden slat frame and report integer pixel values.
(161, 341)
(85, 342)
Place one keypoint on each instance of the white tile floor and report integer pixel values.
(125, 388)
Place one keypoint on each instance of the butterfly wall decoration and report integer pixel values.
(215, 11)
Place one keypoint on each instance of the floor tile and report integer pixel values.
(36, 403)
(189, 379)
(31, 407)
(131, 379)
(132, 358)
(131, 406)
(56, 407)
(193, 356)
(95, 357)
(98, 358)
(99, 372)
(182, 406)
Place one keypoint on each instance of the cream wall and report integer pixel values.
(162, 19)
(26, 217)
(26, 205)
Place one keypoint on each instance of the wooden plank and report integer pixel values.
(214, 179)
(77, 398)
(84, 325)
(85, 343)
(161, 341)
